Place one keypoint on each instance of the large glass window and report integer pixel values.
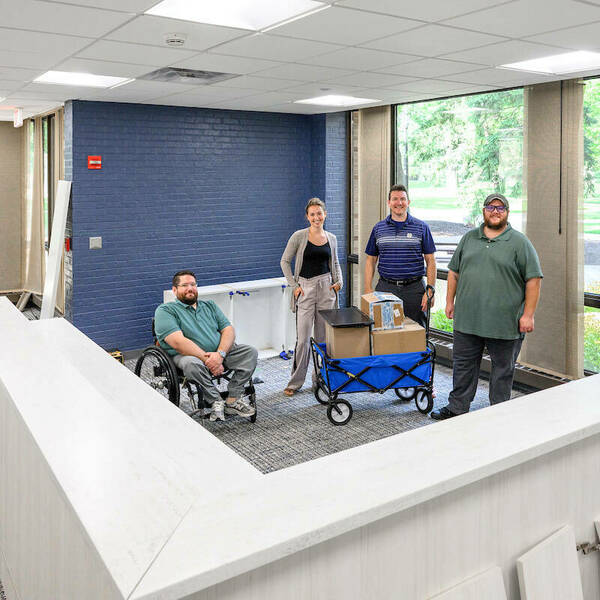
(451, 154)
(591, 222)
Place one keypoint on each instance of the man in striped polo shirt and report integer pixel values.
(405, 250)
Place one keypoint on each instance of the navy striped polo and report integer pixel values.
(400, 246)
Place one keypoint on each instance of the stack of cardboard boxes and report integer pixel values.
(392, 332)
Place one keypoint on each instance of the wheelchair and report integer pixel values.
(156, 367)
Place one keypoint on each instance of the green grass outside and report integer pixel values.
(425, 196)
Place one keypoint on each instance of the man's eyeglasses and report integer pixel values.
(187, 285)
(499, 209)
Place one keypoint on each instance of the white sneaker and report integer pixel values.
(239, 407)
(217, 411)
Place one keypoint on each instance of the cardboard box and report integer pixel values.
(386, 310)
(411, 338)
(347, 342)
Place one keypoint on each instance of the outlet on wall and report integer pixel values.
(95, 243)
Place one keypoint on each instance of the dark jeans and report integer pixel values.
(468, 350)
(411, 296)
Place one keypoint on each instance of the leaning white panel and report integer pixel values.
(488, 585)
(550, 570)
(59, 222)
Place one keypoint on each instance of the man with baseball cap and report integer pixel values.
(494, 281)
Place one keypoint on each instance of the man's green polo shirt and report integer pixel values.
(490, 295)
(202, 325)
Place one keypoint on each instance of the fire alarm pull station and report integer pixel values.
(94, 162)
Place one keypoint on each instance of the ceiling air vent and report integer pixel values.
(187, 76)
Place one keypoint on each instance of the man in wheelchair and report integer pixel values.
(200, 339)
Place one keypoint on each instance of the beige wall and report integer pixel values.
(10, 207)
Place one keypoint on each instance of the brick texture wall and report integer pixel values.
(215, 191)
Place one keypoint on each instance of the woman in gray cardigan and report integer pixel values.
(316, 280)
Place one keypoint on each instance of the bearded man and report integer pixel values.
(494, 281)
(200, 339)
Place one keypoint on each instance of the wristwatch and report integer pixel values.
(222, 353)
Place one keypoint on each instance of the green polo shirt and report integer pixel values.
(202, 325)
(490, 295)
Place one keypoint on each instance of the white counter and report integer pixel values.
(154, 507)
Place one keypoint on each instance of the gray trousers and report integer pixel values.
(317, 296)
(411, 296)
(241, 359)
(468, 350)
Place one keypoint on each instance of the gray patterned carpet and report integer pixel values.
(293, 430)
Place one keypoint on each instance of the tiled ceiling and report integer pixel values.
(387, 50)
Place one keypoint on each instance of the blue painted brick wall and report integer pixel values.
(215, 191)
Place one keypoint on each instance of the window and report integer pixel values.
(591, 223)
(451, 154)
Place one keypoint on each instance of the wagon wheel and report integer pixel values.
(405, 394)
(339, 412)
(424, 401)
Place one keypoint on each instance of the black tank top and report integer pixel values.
(315, 260)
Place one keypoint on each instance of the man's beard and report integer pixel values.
(189, 300)
(500, 225)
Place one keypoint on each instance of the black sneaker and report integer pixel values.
(442, 413)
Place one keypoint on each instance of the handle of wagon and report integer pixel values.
(430, 291)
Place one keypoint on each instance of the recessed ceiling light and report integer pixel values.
(333, 100)
(81, 79)
(243, 14)
(559, 64)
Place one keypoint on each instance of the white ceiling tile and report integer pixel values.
(585, 37)
(42, 91)
(132, 6)
(433, 40)
(203, 95)
(291, 108)
(304, 72)
(140, 90)
(528, 17)
(310, 90)
(14, 74)
(264, 45)
(386, 95)
(366, 79)
(424, 10)
(362, 59)
(430, 67)
(134, 53)
(344, 26)
(103, 67)
(429, 86)
(151, 30)
(59, 18)
(53, 47)
(496, 77)
(257, 83)
(259, 101)
(503, 53)
(27, 60)
(226, 64)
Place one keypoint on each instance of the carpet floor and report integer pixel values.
(292, 430)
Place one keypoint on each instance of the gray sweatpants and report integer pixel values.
(241, 359)
(317, 296)
(467, 353)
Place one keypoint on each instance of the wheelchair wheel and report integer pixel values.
(424, 401)
(405, 394)
(156, 368)
(252, 402)
(339, 412)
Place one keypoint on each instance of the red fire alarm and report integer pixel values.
(94, 162)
